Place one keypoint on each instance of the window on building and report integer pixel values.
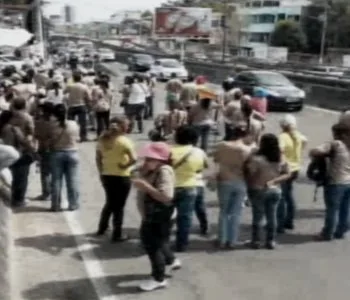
(281, 17)
(267, 19)
(247, 4)
(258, 37)
(271, 3)
(215, 23)
(256, 4)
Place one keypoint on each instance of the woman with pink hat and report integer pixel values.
(156, 187)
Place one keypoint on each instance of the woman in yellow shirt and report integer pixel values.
(187, 162)
(292, 144)
(115, 156)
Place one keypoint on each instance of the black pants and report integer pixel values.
(117, 190)
(155, 239)
(102, 120)
(20, 172)
(79, 112)
(149, 107)
(135, 112)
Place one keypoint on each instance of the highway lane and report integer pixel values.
(57, 258)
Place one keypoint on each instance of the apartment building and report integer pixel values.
(259, 18)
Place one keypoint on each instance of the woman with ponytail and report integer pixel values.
(292, 144)
(64, 136)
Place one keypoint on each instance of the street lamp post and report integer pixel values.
(324, 32)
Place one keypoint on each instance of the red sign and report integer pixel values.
(183, 22)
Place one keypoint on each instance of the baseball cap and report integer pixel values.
(289, 120)
(156, 150)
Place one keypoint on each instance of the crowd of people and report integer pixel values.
(248, 167)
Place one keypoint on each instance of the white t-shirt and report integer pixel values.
(138, 93)
(53, 98)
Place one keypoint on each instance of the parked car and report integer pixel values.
(282, 93)
(10, 60)
(105, 54)
(165, 68)
(140, 62)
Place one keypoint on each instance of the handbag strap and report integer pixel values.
(183, 160)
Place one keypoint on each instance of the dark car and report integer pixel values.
(140, 62)
(282, 93)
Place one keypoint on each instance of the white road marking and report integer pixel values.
(92, 264)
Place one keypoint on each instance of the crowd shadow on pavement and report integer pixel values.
(53, 244)
(81, 289)
(31, 210)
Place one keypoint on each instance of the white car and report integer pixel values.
(9, 60)
(105, 54)
(165, 68)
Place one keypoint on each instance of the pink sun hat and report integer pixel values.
(157, 150)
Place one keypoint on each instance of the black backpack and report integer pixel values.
(317, 171)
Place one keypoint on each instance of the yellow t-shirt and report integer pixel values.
(186, 174)
(115, 153)
(292, 149)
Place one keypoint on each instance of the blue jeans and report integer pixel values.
(264, 204)
(200, 210)
(65, 164)
(45, 172)
(203, 134)
(337, 202)
(287, 205)
(231, 197)
(185, 199)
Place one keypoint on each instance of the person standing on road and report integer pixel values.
(115, 156)
(55, 93)
(337, 190)
(22, 120)
(156, 187)
(42, 125)
(187, 163)
(173, 89)
(201, 116)
(266, 170)
(13, 135)
(292, 143)
(63, 140)
(230, 157)
(102, 105)
(136, 102)
(151, 85)
(188, 95)
(77, 102)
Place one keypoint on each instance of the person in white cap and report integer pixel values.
(292, 143)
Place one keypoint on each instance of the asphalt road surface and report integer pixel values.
(56, 256)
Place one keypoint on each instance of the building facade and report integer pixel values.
(259, 18)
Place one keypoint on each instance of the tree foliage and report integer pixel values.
(288, 34)
(338, 27)
(146, 14)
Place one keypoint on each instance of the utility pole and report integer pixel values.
(223, 25)
(39, 32)
(324, 31)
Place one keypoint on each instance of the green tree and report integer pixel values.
(338, 27)
(146, 14)
(288, 34)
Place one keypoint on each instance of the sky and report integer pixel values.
(96, 10)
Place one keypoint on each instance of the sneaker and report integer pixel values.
(151, 285)
(176, 265)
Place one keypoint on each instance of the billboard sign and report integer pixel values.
(183, 22)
